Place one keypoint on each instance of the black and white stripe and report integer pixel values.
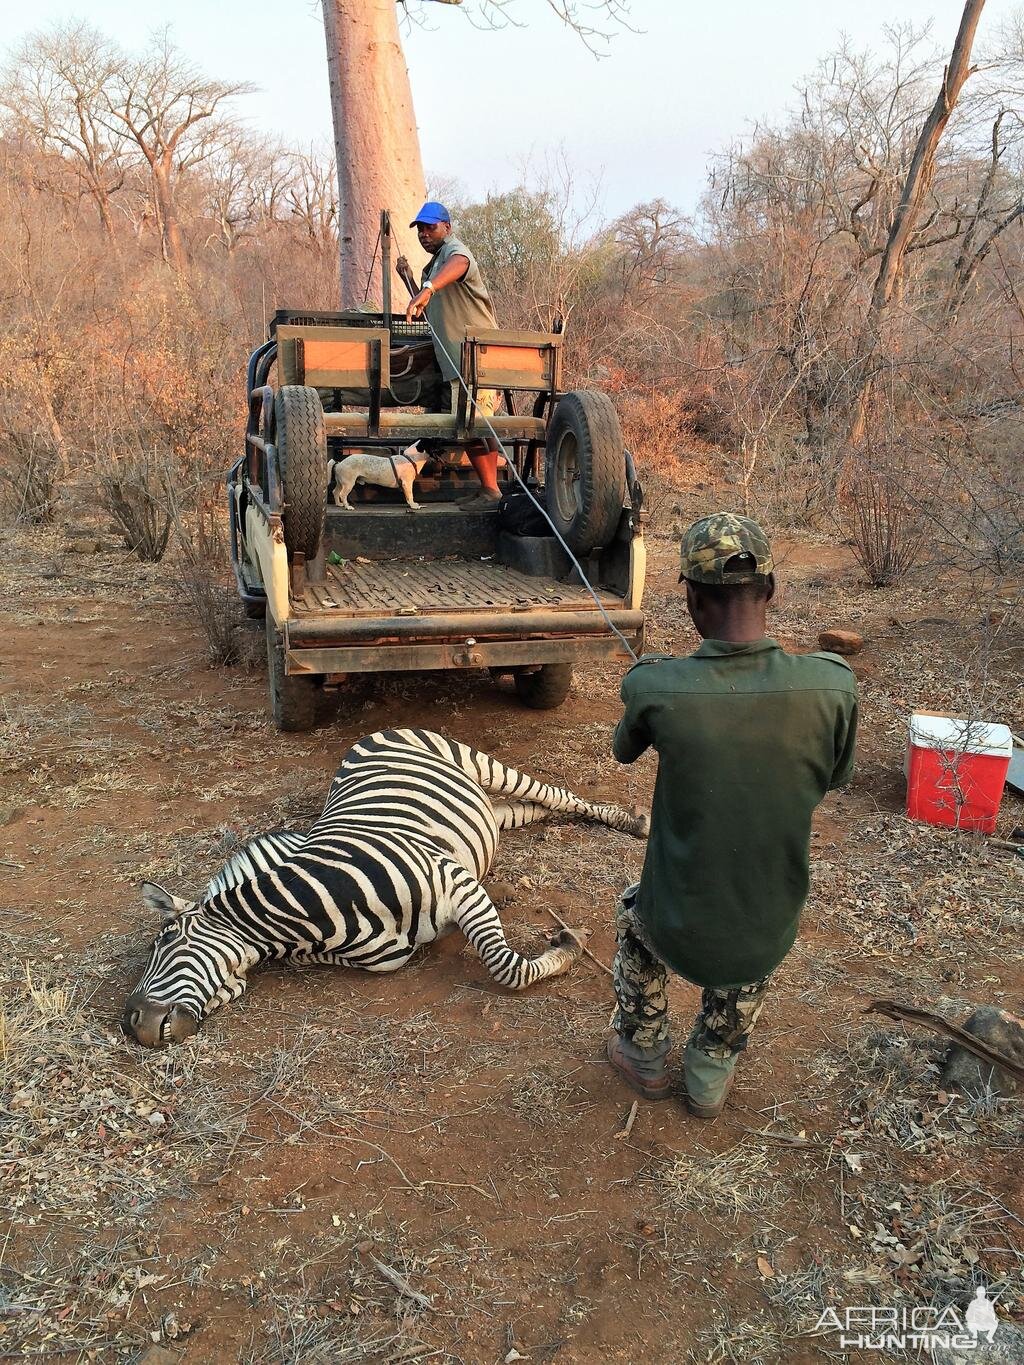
(408, 831)
(256, 855)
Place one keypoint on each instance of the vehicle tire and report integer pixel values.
(301, 441)
(292, 699)
(546, 688)
(585, 470)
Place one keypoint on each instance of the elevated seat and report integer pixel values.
(357, 359)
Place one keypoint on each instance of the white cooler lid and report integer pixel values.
(966, 737)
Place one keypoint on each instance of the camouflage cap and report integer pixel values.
(709, 545)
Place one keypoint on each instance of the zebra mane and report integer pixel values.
(259, 854)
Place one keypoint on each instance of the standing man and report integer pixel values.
(454, 298)
(749, 739)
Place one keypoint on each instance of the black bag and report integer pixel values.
(520, 516)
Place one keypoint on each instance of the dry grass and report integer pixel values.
(739, 1180)
(744, 1341)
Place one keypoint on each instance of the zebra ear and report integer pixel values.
(156, 898)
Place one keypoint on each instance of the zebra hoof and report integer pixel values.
(641, 823)
(573, 941)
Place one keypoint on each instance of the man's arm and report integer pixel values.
(632, 734)
(452, 271)
(846, 743)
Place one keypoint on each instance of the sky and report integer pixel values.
(637, 124)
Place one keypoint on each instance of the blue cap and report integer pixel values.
(432, 212)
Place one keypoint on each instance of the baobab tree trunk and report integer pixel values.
(918, 183)
(375, 137)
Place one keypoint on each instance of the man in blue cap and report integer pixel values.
(454, 298)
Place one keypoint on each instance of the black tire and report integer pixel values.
(292, 699)
(301, 442)
(546, 688)
(585, 470)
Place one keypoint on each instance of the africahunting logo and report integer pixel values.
(923, 1329)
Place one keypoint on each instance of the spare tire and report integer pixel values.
(301, 442)
(585, 470)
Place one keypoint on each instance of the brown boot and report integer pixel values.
(709, 1111)
(644, 1072)
(709, 1079)
(484, 501)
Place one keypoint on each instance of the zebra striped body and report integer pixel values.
(257, 855)
(409, 829)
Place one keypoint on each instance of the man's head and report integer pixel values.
(726, 563)
(433, 224)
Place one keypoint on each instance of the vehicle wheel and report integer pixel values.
(292, 699)
(546, 688)
(585, 470)
(301, 442)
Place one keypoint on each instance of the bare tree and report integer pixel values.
(309, 195)
(376, 142)
(56, 89)
(248, 183)
(166, 106)
(905, 220)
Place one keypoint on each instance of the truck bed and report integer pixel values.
(436, 588)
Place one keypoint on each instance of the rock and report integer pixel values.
(841, 641)
(157, 1355)
(502, 893)
(10, 811)
(1007, 1348)
(83, 545)
(969, 1075)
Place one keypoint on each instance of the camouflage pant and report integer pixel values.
(726, 1017)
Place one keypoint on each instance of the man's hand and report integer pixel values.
(418, 305)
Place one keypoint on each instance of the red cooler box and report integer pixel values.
(956, 771)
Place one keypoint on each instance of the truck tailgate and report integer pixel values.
(436, 588)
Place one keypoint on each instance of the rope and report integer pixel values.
(373, 262)
(510, 464)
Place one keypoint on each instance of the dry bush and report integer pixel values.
(884, 526)
(205, 578)
(29, 477)
(135, 490)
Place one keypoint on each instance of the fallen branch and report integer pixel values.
(627, 1127)
(787, 1139)
(907, 1014)
(596, 960)
(401, 1284)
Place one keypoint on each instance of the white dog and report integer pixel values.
(399, 471)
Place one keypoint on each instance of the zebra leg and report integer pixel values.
(497, 780)
(471, 909)
(516, 814)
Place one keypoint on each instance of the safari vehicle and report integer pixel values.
(379, 589)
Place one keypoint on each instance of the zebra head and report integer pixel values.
(195, 965)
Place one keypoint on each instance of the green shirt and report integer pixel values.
(457, 308)
(749, 740)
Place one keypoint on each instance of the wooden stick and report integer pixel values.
(907, 1014)
(401, 1284)
(596, 960)
(627, 1127)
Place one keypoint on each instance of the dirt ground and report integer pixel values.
(350, 1167)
